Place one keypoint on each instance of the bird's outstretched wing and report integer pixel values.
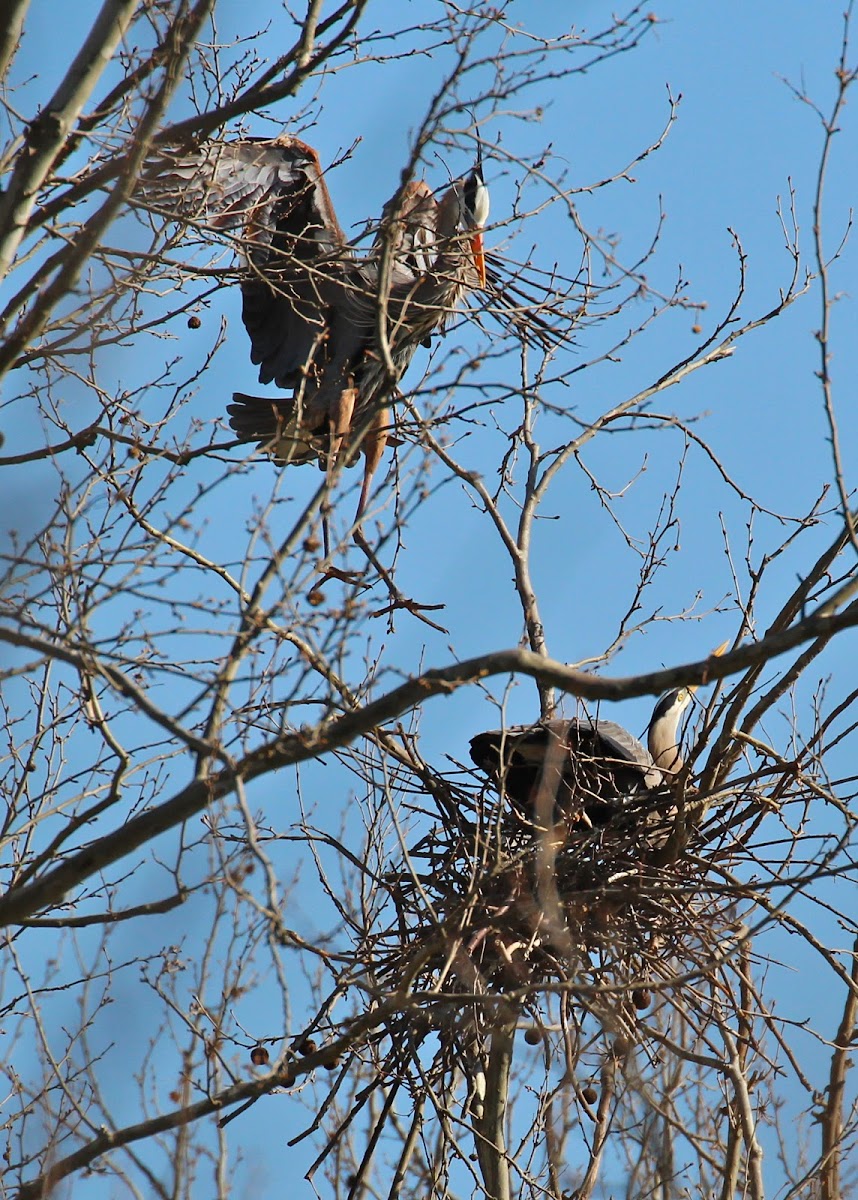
(409, 222)
(272, 194)
(262, 187)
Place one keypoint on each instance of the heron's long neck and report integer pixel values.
(435, 295)
(668, 758)
(418, 306)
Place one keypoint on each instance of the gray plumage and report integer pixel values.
(582, 770)
(310, 304)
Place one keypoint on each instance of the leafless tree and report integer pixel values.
(253, 893)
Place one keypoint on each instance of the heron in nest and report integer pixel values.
(584, 770)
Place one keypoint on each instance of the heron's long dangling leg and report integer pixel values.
(339, 427)
(340, 418)
(374, 443)
(326, 535)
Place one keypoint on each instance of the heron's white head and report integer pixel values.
(474, 200)
(662, 739)
(473, 197)
(662, 736)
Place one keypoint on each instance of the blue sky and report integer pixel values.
(740, 140)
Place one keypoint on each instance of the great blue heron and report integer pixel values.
(311, 305)
(584, 769)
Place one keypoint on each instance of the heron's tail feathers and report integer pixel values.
(280, 428)
(276, 427)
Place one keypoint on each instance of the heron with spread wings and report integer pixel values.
(311, 305)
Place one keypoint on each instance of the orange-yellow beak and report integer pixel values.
(716, 653)
(479, 257)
